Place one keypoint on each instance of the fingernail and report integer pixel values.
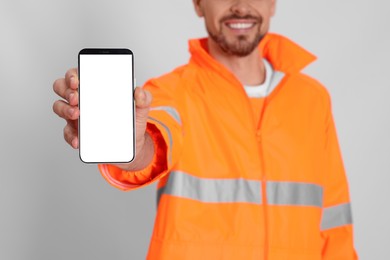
(72, 80)
(74, 143)
(71, 95)
(71, 111)
(142, 96)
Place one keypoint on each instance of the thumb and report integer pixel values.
(142, 97)
(143, 100)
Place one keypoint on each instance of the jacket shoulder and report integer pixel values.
(312, 88)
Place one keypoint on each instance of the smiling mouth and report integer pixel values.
(240, 25)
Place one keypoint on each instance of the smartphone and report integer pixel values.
(106, 103)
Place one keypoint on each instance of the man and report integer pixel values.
(243, 145)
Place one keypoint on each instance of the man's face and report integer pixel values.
(236, 26)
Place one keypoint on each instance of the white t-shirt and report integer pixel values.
(262, 89)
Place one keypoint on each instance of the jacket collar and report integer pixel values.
(284, 55)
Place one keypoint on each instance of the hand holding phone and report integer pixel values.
(68, 109)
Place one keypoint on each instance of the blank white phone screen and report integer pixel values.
(106, 123)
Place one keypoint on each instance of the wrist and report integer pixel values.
(143, 156)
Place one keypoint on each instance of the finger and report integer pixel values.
(62, 90)
(73, 97)
(148, 98)
(71, 136)
(143, 98)
(66, 111)
(142, 111)
(59, 87)
(72, 79)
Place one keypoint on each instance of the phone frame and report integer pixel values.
(107, 51)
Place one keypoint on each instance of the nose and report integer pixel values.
(240, 7)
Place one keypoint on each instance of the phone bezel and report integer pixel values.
(107, 51)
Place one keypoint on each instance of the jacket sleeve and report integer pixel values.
(165, 127)
(336, 223)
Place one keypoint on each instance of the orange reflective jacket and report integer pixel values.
(233, 188)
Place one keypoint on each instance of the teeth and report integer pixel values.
(240, 25)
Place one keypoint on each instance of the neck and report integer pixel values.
(249, 70)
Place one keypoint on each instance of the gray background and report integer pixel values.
(54, 207)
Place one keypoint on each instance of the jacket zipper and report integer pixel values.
(258, 125)
(263, 180)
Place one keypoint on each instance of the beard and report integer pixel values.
(242, 45)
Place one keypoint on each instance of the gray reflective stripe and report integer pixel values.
(336, 216)
(170, 110)
(181, 184)
(169, 136)
(277, 76)
(294, 193)
(184, 185)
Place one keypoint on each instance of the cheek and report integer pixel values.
(266, 22)
(212, 21)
